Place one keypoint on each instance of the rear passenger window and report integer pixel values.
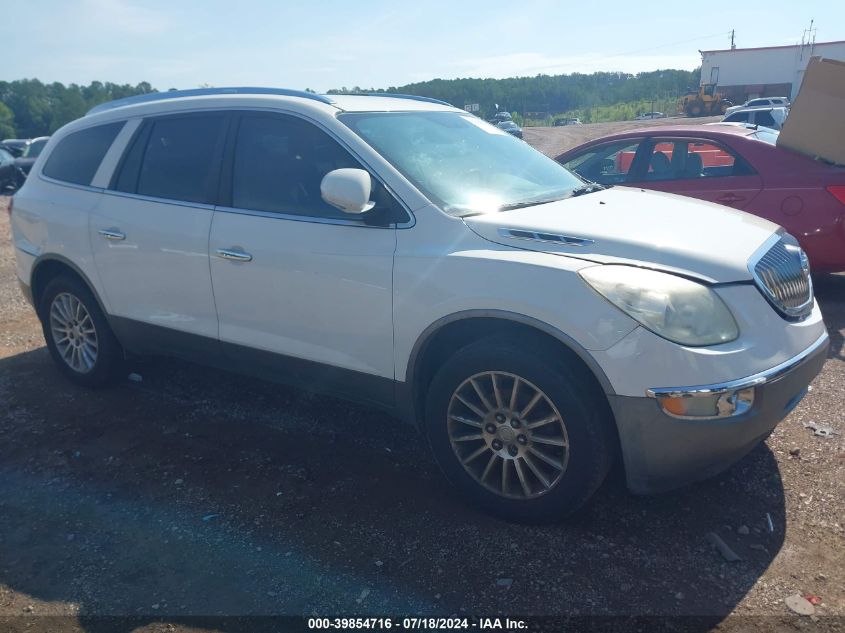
(78, 156)
(279, 163)
(690, 159)
(176, 158)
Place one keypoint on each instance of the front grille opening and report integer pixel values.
(783, 275)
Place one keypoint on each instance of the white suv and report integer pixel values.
(401, 252)
(760, 102)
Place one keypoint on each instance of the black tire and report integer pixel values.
(108, 363)
(695, 108)
(582, 407)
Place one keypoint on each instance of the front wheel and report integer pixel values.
(695, 109)
(78, 336)
(517, 431)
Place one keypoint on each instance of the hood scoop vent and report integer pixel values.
(554, 238)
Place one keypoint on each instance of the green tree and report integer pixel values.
(40, 109)
(7, 122)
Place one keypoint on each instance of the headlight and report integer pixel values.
(675, 308)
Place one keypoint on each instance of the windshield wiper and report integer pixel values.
(588, 188)
(578, 191)
(528, 203)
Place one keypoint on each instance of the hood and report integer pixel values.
(624, 225)
(815, 126)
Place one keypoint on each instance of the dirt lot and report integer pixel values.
(197, 493)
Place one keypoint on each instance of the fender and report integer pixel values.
(61, 259)
(504, 315)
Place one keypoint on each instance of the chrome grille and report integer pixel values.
(783, 274)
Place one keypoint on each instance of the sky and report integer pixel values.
(380, 43)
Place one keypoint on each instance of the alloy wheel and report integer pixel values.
(73, 332)
(508, 435)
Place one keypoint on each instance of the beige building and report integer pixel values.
(770, 71)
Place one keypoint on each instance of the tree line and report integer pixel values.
(30, 108)
(545, 95)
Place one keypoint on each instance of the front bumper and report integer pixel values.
(662, 452)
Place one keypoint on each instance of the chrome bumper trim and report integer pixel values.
(770, 375)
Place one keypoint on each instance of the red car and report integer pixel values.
(733, 165)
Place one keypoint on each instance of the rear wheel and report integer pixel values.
(520, 434)
(77, 333)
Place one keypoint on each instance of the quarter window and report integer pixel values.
(78, 155)
(278, 165)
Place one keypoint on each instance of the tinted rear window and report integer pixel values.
(78, 156)
(175, 158)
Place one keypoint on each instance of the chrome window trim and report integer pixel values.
(302, 218)
(72, 185)
(170, 201)
(755, 380)
(797, 313)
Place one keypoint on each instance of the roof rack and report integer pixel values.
(395, 95)
(200, 92)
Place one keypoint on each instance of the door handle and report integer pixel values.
(730, 197)
(112, 234)
(233, 255)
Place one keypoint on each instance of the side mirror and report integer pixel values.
(348, 190)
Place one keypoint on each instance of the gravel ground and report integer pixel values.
(198, 493)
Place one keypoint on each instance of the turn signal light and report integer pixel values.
(838, 192)
(707, 405)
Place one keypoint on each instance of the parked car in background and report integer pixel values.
(759, 103)
(391, 250)
(30, 153)
(650, 115)
(568, 121)
(510, 127)
(770, 117)
(501, 116)
(734, 165)
(10, 176)
(15, 146)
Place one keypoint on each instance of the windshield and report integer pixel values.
(463, 164)
(767, 135)
(34, 149)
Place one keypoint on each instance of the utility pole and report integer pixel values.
(808, 38)
(733, 45)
